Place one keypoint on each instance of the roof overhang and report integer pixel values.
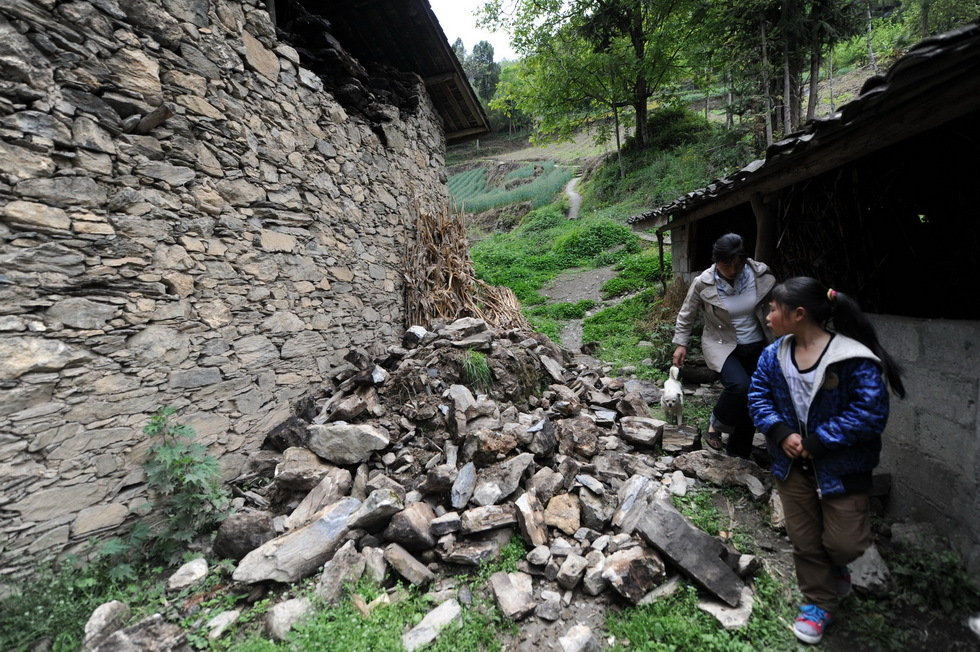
(936, 82)
(407, 35)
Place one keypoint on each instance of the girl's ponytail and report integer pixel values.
(825, 305)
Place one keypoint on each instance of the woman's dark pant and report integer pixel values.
(731, 413)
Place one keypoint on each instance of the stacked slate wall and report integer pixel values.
(187, 218)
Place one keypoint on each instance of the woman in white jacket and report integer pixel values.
(733, 295)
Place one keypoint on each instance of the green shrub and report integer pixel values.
(476, 371)
(581, 245)
(186, 484)
(636, 272)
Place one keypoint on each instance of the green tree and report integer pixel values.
(596, 55)
(485, 71)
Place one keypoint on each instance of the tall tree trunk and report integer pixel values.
(619, 146)
(787, 93)
(813, 98)
(830, 80)
(765, 86)
(729, 123)
(871, 49)
(924, 17)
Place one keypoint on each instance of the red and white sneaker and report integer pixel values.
(811, 623)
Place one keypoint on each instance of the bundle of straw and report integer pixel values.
(440, 282)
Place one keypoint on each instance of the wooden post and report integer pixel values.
(765, 230)
(660, 248)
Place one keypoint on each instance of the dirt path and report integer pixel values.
(574, 198)
(576, 285)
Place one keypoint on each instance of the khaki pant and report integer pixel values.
(826, 532)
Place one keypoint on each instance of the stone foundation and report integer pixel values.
(187, 218)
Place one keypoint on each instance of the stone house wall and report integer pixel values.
(221, 259)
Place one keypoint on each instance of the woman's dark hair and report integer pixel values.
(727, 248)
(824, 305)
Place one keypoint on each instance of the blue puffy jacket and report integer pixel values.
(847, 413)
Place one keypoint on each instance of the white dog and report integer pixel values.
(672, 399)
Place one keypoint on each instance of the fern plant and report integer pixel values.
(188, 495)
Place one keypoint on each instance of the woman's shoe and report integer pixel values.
(713, 440)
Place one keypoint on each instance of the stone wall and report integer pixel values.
(187, 218)
(932, 443)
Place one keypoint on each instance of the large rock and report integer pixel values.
(283, 616)
(490, 517)
(643, 431)
(563, 512)
(579, 638)
(498, 482)
(530, 518)
(301, 470)
(723, 470)
(300, 553)
(347, 565)
(106, 619)
(407, 566)
(377, 509)
(434, 622)
(633, 572)
(411, 527)
(578, 436)
(462, 489)
(346, 444)
(730, 617)
(152, 634)
(243, 532)
(513, 593)
(699, 555)
(333, 486)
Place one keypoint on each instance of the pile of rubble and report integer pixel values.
(405, 468)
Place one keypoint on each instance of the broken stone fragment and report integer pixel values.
(300, 470)
(462, 489)
(464, 327)
(571, 571)
(678, 484)
(283, 616)
(722, 470)
(414, 335)
(434, 622)
(490, 517)
(870, 573)
(496, 483)
(633, 405)
(382, 481)
(596, 511)
(333, 486)
(545, 484)
(375, 566)
(438, 480)
(579, 639)
(347, 565)
(411, 527)
(530, 519)
(539, 556)
(483, 446)
(346, 444)
(301, 552)
(513, 593)
(701, 556)
(578, 436)
(633, 572)
(376, 511)
(593, 583)
(642, 431)
(407, 566)
(188, 574)
(730, 617)
(243, 532)
(550, 606)
(634, 495)
(106, 619)
(445, 524)
(472, 553)
(563, 512)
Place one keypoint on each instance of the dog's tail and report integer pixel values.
(674, 372)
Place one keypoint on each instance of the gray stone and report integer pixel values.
(701, 556)
(462, 489)
(106, 619)
(77, 312)
(490, 517)
(571, 571)
(218, 625)
(281, 618)
(407, 566)
(439, 480)
(445, 524)
(376, 511)
(722, 470)
(347, 565)
(484, 446)
(647, 390)
(680, 439)
(32, 215)
(333, 485)
(545, 484)
(513, 593)
(633, 404)
(543, 439)
(731, 618)
(596, 511)
(346, 443)
(197, 377)
(375, 566)
(241, 533)
(301, 470)
(678, 484)
(870, 574)
(188, 574)
(593, 583)
(434, 622)
(634, 496)
(411, 527)
(579, 639)
(530, 519)
(633, 572)
(298, 554)
(472, 553)
(643, 431)
(578, 436)
(550, 607)
(496, 483)
(539, 556)
(174, 175)
(152, 634)
(21, 355)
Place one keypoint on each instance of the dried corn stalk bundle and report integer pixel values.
(440, 282)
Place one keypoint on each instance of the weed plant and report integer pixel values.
(476, 371)
(620, 328)
(637, 272)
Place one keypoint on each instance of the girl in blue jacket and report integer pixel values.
(820, 395)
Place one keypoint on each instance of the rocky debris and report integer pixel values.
(870, 573)
(188, 574)
(243, 532)
(283, 616)
(513, 593)
(579, 638)
(730, 617)
(106, 619)
(633, 572)
(152, 634)
(723, 470)
(407, 566)
(347, 565)
(434, 622)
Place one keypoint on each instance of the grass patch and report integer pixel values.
(544, 244)
(620, 328)
(476, 371)
(636, 272)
